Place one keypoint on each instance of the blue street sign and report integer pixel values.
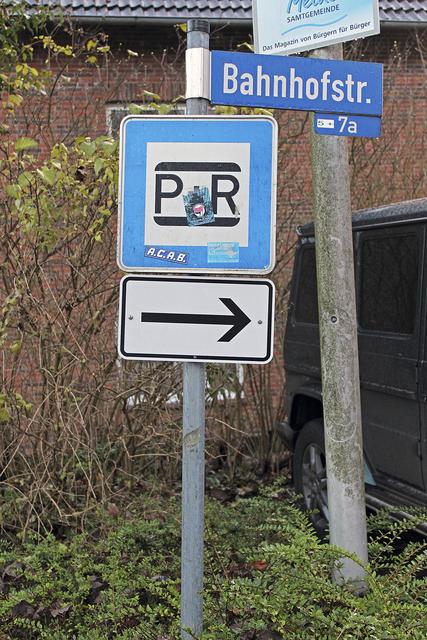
(289, 82)
(197, 194)
(330, 124)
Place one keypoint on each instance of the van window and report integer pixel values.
(389, 283)
(306, 301)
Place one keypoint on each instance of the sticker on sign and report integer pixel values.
(324, 123)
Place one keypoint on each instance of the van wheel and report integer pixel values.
(310, 473)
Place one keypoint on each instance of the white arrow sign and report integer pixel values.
(188, 319)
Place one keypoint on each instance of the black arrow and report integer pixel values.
(238, 320)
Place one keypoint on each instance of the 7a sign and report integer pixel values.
(344, 125)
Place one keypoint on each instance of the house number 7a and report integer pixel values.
(346, 125)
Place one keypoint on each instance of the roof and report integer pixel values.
(391, 214)
(391, 11)
(403, 10)
(172, 10)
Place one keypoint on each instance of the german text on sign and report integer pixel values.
(290, 26)
(306, 84)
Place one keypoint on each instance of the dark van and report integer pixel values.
(391, 277)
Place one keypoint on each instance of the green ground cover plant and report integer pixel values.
(267, 576)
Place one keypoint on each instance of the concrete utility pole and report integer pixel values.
(193, 443)
(338, 341)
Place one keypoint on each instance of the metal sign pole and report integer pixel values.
(193, 443)
(338, 339)
(193, 490)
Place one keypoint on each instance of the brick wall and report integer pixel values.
(394, 166)
(385, 170)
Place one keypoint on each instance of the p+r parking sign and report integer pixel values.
(197, 194)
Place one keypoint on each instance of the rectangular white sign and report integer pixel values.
(291, 26)
(167, 182)
(325, 123)
(196, 319)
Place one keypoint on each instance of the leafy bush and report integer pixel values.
(267, 576)
(80, 429)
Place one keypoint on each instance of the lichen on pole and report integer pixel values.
(339, 353)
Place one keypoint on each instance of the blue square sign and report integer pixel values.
(197, 194)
